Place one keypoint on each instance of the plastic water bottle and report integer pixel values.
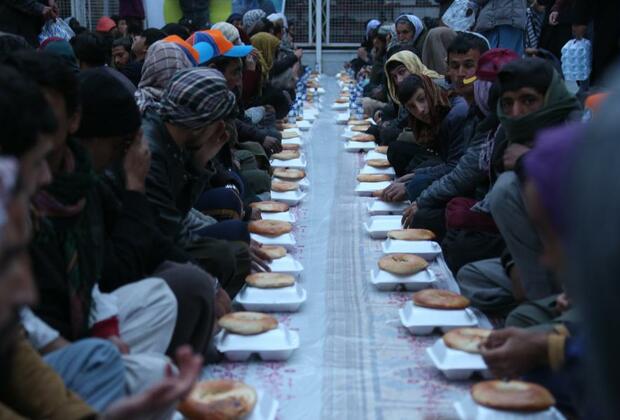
(292, 116)
(359, 114)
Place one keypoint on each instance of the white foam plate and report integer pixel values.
(468, 409)
(367, 169)
(456, 364)
(285, 299)
(287, 265)
(287, 240)
(293, 130)
(379, 207)
(374, 155)
(294, 140)
(285, 216)
(347, 134)
(292, 198)
(428, 250)
(378, 226)
(358, 146)
(367, 188)
(422, 321)
(266, 407)
(385, 281)
(274, 345)
(341, 107)
(309, 117)
(303, 183)
(343, 117)
(299, 163)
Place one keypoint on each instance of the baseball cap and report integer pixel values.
(187, 48)
(220, 45)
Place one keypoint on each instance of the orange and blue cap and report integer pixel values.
(187, 48)
(220, 46)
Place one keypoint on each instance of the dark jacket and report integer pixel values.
(495, 13)
(173, 183)
(22, 17)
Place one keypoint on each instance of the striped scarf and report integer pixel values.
(533, 28)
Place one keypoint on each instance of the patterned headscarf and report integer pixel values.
(163, 60)
(415, 23)
(230, 32)
(413, 64)
(196, 98)
(371, 26)
(251, 18)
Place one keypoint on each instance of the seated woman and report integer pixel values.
(437, 144)
(410, 31)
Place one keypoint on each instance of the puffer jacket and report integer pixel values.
(494, 13)
(467, 178)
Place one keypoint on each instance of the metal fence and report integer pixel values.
(88, 12)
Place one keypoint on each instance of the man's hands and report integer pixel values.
(50, 11)
(511, 352)
(409, 214)
(272, 145)
(260, 259)
(397, 191)
(512, 154)
(165, 394)
(137, 164)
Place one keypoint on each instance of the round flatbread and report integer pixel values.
(512, 396)
(377, 193)
(284, 186)
(440, 299)
(402, 264)
(247, 323)
(270, 206)
(342, 100)
(363, 138)
(274, 252)
(289, 174)
(286, 126)
(360, 128)
(270, 280)
(466, 339)
(289, 135)
(378, 163)
(271, 228)
(411, 235)
(381, 149)
(291, 147)
(357, 122)
(219, 399)
(286, 155)
(373, 177)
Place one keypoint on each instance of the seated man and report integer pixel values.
(532, 97)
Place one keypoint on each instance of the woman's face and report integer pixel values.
(404, 32)
(399, 74)
(418, 106)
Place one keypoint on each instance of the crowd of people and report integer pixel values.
(129, 158)
(485, 138)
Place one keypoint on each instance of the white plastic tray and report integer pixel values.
(287, 240)
(428, 250)
(292, 198)
(383, 280)
(294, 140)
(287, 265)
(285, 299)
(358, 146)
(343, 117)
(367, 188)
(378, 226)
(423, 321)
(347, 134)
(456, 364)
(338, 107)
(379, 207)
(374, 155)
(299, 163)
(266, 407)
(285, 216)
(275, 345)
(367, 169)
(468, 409)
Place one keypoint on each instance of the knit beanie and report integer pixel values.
(108, 108)
(492, 61)
(533, 73)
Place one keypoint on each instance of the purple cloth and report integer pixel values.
(131, 8)
(547, 166)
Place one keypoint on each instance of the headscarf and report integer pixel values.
(547, 166)
(229, 31)
(163, 60)
(559, 103)
(196, 98)
(371, 26)
(275, 17)
(439, 106)
(482, 37)
(267, 45)
(252, 18)
(413, 64)
(63, 49)
(416, 24)
(435, 48)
